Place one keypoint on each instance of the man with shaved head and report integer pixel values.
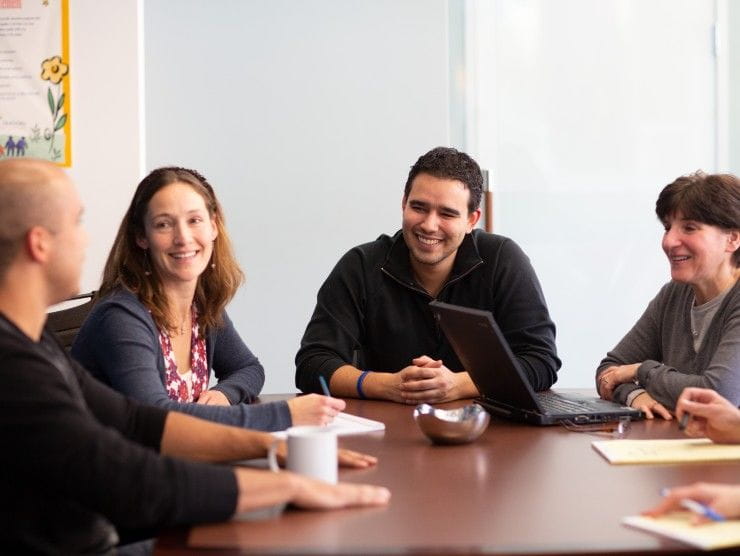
(41, 210)
(80, 463)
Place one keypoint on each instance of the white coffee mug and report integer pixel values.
(312, 451)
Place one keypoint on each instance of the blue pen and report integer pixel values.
(697, 507)
(324, 386)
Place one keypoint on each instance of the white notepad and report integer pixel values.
(707, 536)
(685, 450)
(345, 424)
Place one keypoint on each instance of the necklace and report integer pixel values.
(183, 327)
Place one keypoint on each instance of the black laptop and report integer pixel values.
(505, 390)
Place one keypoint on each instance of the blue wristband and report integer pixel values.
(360, 380)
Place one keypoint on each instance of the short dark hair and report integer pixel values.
(449, 163)
(712, 199)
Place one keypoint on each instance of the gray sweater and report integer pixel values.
(119, 344)
(662, 342)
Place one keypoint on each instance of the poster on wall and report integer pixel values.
(34, 80)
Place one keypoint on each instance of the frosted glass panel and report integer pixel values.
(584, 111)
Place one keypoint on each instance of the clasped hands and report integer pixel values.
(612, 377)
(426, 380)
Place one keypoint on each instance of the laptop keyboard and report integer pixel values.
(553, 403)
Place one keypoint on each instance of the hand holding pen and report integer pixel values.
(324, 386)
(701, 510)
(703, 412)
(710, 415)
(315, 409)
(684, 421)
(708, 502)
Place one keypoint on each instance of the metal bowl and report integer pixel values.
(451, 426)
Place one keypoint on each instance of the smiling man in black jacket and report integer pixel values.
(79, 461)
(373, 334)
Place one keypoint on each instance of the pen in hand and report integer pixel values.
(697, 507)
(324, 386)
(683, 422)
(325, 389)
(701, 509)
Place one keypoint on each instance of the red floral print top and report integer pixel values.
(186, 388)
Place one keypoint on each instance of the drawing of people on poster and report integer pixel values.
(34, 80)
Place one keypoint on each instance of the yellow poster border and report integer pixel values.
(65, 85)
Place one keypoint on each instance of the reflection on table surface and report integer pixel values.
(517, 489)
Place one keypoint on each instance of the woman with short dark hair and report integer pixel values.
(689, 335)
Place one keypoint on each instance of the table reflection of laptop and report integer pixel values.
(505, 390)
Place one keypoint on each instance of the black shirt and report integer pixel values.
(371, 306)
(79, 460)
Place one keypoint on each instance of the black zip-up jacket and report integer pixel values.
(371, 313)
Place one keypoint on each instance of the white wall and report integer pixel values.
(733, 65)
(305, 116)
(106, 112)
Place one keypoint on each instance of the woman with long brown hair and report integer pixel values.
(159, 325)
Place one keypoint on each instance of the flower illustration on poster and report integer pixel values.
(53, 70)
(35, 101)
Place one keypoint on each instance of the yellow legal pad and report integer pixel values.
(708, 536)
(684, 450)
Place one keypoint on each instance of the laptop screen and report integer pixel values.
(485, 354)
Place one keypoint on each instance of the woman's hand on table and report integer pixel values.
(213, 397)
(650, 407)
(613, 377)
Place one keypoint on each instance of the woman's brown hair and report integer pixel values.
(128, 265)
(713, 199)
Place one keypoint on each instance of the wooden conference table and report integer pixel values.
(518, 489)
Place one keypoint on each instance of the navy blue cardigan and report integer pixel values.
(119, 344)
